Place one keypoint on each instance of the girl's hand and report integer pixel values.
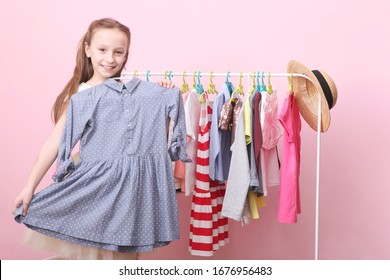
(166, 83)
(24, 198)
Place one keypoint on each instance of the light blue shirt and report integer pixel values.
(220, 140)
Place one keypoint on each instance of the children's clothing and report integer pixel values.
(120, 196)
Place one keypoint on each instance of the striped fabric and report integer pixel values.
(208, 228)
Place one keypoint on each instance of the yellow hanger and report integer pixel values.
(165, 74)
(135, 74)
(291, 85)
(238, 90)
(211, 89)
(253, 84)
(203, 96)
(194, 85)
(269, 86)
(184, 87)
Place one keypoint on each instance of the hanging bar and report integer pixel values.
(205, 74)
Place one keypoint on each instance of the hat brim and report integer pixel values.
(307, 93)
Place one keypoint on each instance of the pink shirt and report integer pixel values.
(271, 132)
(289, 198)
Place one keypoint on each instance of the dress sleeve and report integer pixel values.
(177, 148)
(78, 114)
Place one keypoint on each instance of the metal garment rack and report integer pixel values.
(198, 75)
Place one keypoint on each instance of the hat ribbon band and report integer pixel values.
(325, 87)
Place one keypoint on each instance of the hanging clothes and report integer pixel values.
(192, 115)
(271, 133)
(256, 194)
(220, 141)
(289, 196)
(208, 229)
(239, 173)
(180, 167)
(120, 196)
(177, 181)
(256, 183)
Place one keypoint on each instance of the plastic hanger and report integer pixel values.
(194, 84)
(198, 86)
(184, 87)
(258, 86)
(127, 76)
(253, 84)
(291, 84)
(269, 86)
(211, 89)
(228, 84)
(238, 90)
(168, 75)
(263, 87)
(147, 75)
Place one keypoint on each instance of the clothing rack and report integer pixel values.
(170, 74)
(198, 75)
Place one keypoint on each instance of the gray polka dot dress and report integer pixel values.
(121, 195)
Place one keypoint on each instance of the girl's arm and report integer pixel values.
(44, 161)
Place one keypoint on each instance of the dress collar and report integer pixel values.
(119, 86)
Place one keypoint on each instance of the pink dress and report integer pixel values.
(271, 132)
(289, 198)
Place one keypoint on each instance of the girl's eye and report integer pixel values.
(119, 53)
(102, 50)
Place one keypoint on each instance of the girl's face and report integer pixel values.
(108, 51)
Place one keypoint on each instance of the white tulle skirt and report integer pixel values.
(67, 251)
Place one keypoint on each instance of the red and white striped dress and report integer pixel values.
(208, 228)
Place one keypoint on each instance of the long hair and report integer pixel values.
(84, 70)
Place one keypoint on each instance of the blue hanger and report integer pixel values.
(263, 87)
(169, 75)
(258, 86)
(199, 87)
(229, 84)
(147, 75)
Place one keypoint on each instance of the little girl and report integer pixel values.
(102, 54)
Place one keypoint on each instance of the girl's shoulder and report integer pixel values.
(86, 93)
(83, 86)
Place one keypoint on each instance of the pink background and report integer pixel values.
(350, 40)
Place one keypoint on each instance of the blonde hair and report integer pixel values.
(83, 70)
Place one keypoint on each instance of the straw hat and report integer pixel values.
(306, 94)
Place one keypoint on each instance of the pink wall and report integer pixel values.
(348, 39)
